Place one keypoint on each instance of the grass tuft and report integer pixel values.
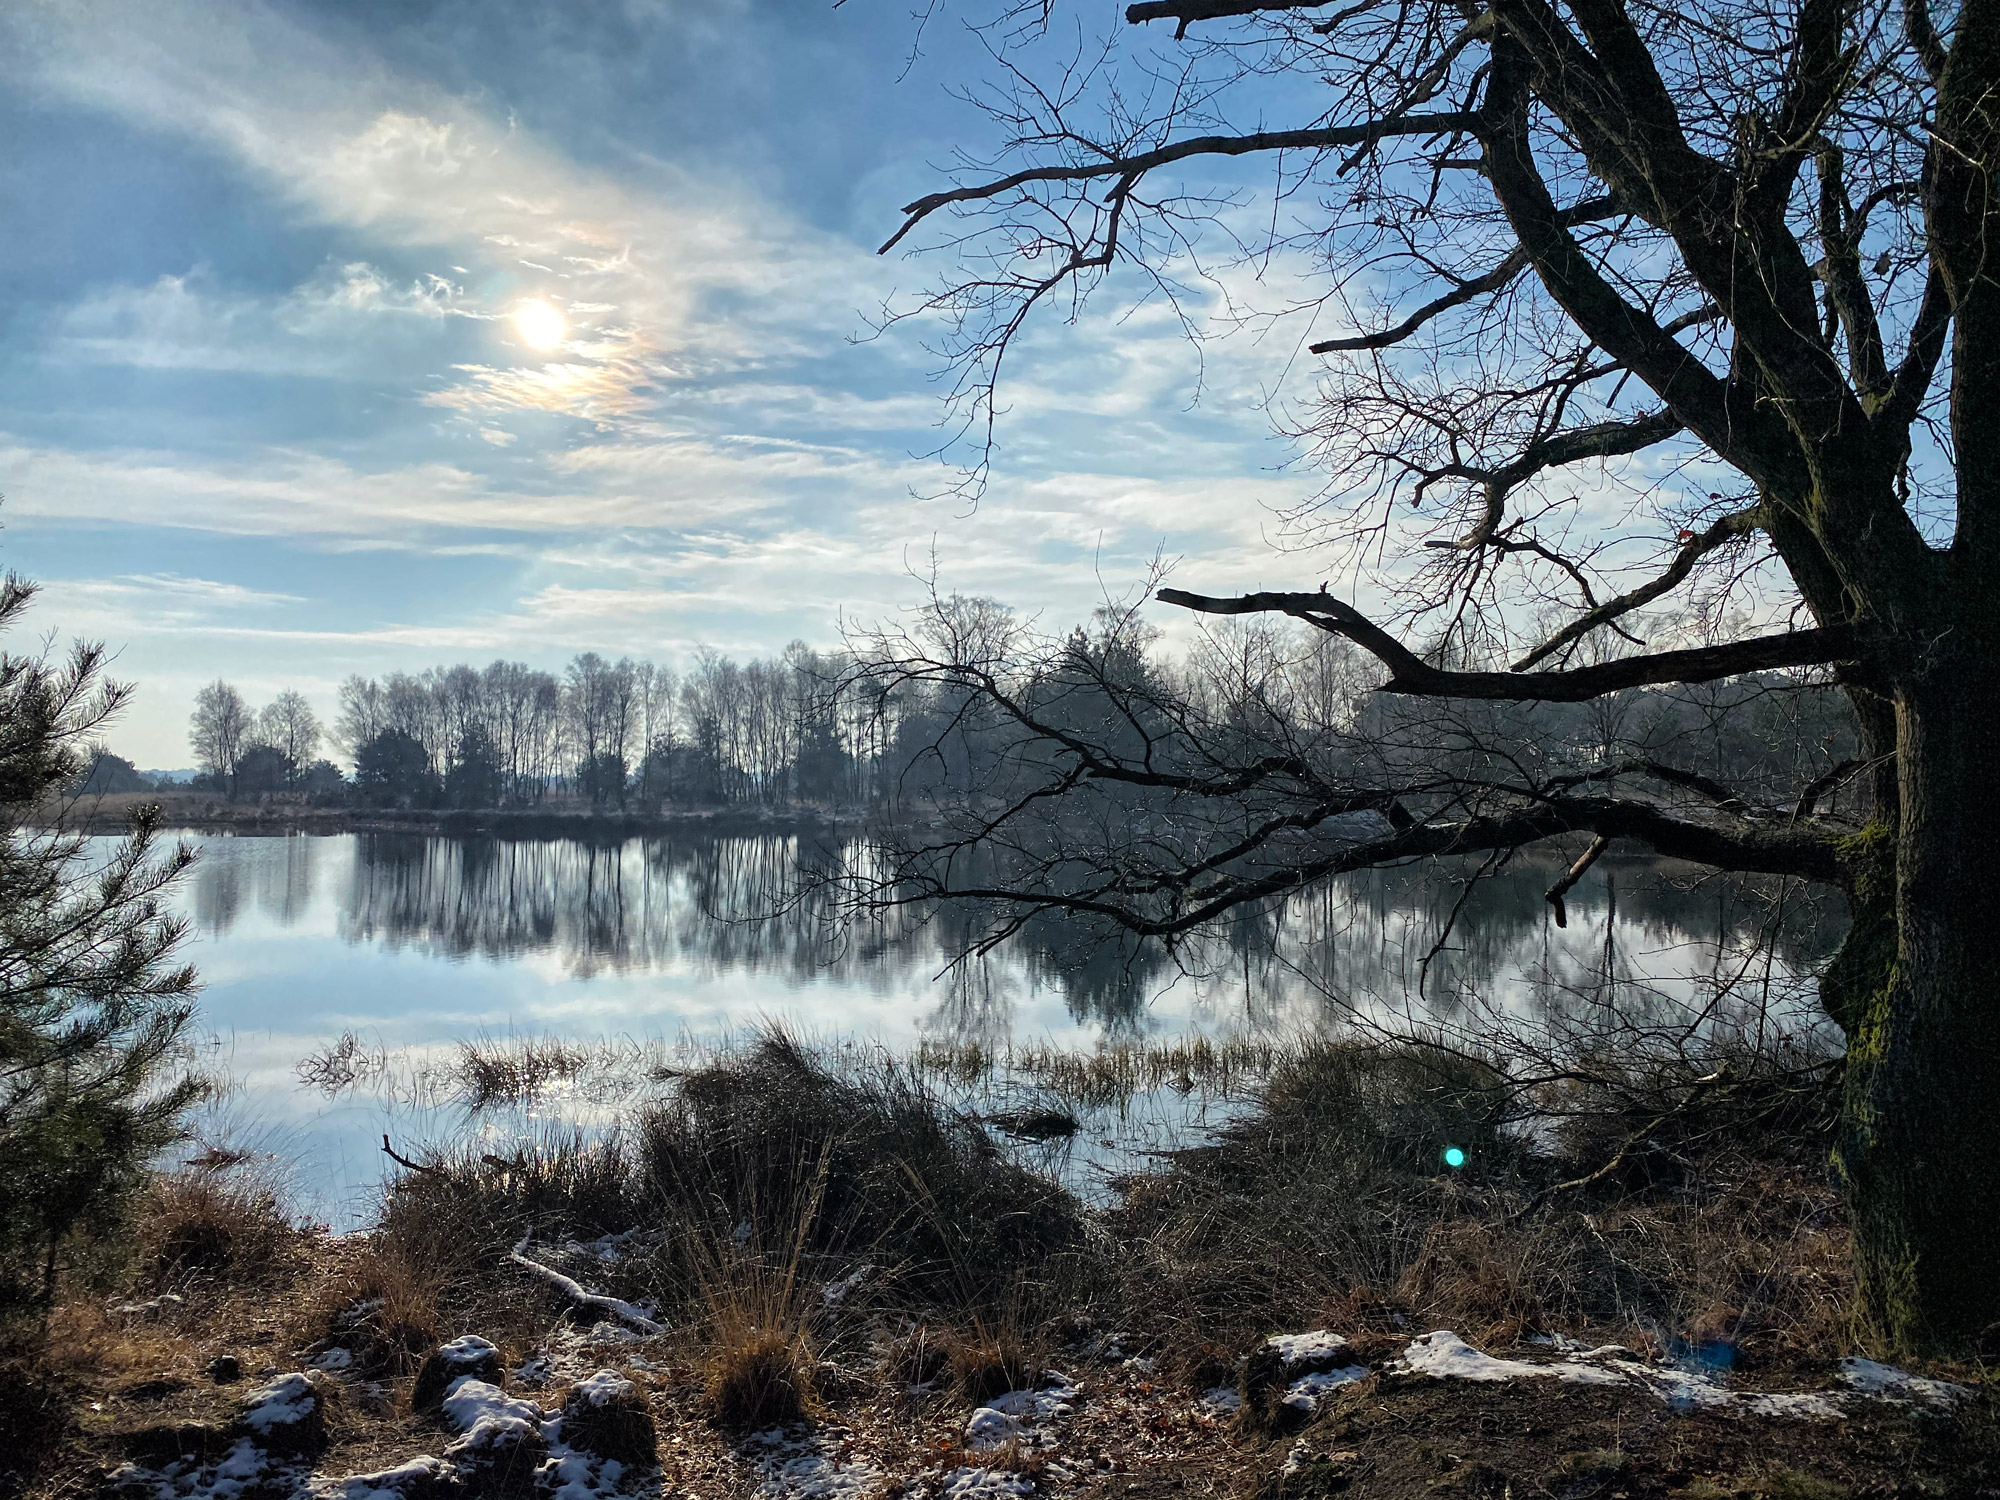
(990, 1362)
(760, 1377)
(208, 1223)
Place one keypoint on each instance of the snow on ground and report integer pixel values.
(1304, 1393)
(808, 1467)
(1445, 1355)
(385, 1484)
(245, 1467)
(1448, 1357)
(985, 1484)
(1316, 1347)
(1021, 1417)
(1871, 1379)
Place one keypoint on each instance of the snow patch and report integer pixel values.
(286, 1401)
(1446, 1356)
(1306, 1348)
(810, 1469)
(486, 1416)
(985, 1484)
(572, 1475)
(385, 1484)
(1303, 1394)
(1872, 1379)
(1016, 1417)
(1222, 1398)
(244, 1468)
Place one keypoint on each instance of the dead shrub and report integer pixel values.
(1663, 1202)
(921, 1357)
(893, 1173)
(1478, 1279)
(610, 1416)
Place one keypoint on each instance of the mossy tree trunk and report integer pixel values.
(1918, 988)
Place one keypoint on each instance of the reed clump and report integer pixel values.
(897, 1177)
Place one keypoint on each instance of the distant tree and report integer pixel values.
(322, 782)
(289, 726)
(261, 769)
(601, 779)
(363, 713)
(219, 729)
(394, 770)
(92, 1009)
(107, 773)
(475, 779)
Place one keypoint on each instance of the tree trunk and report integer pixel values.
(1917, 987)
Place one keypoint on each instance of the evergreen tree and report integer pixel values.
(93, 1011)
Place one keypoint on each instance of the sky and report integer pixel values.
(366, 335)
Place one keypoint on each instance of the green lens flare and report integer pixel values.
(1454, 1157)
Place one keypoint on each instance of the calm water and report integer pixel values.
(412, 945)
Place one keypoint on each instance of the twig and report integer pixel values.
(404, 1161)
(1720, 1075)
(624, 1312)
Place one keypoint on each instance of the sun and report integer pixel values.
(540, 325)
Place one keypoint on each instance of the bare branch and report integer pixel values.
(1726, 529)
(1409, 673)
(1555, 893)
(1318, 138)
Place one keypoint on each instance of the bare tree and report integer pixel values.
(1729, 258)
(219, 729)
(288, 725)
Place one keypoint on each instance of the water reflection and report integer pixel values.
(1430, 941)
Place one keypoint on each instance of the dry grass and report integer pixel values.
(988, 1362)
(1330, 1204)
(384, 1310)
(759, 1377)
(896, 1178)
(212, 1223)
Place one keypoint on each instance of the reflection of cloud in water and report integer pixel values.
(1426, 942)
(416, 943)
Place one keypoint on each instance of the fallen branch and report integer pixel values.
(624, 1312)
(1575, 873)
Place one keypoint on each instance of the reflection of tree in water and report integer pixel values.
(276, 874)
(1643, 937)
(1647, 940)
(720, 904)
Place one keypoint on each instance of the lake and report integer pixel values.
(343, 973)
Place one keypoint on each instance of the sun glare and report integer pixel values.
(540, 325)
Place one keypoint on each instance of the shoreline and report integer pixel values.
(206, 813)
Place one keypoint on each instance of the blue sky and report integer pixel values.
(271, 409)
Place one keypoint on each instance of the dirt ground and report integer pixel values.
(130, 1391)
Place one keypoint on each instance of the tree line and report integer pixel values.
(861, 726)
(795, 728)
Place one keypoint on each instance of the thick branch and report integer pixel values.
(1599, 440)
(1186, 12)
(1458, 296)
(1409, 673)
(1725, 845)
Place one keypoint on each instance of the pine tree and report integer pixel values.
(93, 1012)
